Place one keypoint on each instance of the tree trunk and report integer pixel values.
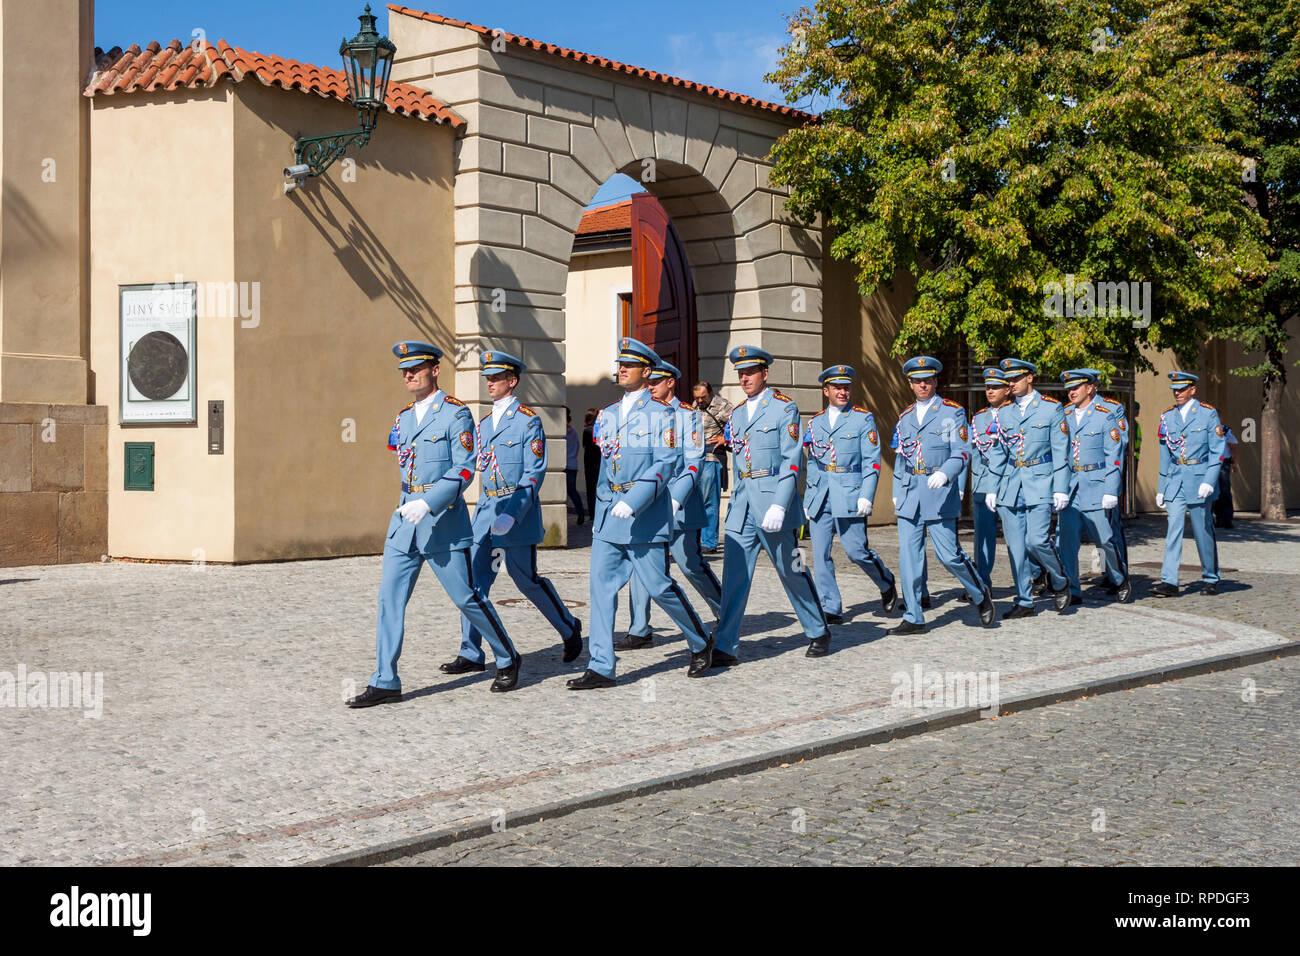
(1272, 499)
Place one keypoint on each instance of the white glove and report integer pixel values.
(991, 501)
(621, 509)
(1059, 500)
(937, 480)
(503, 524)
(1160, 500)
(1108, 502)
(1204, 491)
(774, 518)
(864, 507)
(414, 511)
(677, 506)
(895, 501)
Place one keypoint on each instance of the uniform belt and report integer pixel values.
(758, 473)
(918, 471)
(1192, 461)
(414, 489)
(844, 469)
(499, 492)
(1092, 467)
(1034, 461)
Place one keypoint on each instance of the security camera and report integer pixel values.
(297, 172)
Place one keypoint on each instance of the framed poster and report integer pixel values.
(157, 332)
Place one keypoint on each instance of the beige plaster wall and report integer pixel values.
(590, 328)
(354, 261)
(161, 207)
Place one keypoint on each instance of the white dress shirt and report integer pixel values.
(832, 415)
(499, 408)
(423, 404)
(751, 405)
(921, 409)
(629, 399)
(1186, 407)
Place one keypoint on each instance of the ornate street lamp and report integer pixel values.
(367, 61)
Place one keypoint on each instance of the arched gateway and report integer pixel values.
(546, 126)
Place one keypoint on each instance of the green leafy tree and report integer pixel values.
(994, 148)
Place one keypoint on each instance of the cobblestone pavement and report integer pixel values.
(1180, 773)
(223, 738)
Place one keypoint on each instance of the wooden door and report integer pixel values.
(663, 296)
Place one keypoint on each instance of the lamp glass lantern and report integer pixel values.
(367, 61)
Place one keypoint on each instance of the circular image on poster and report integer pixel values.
(158, 365)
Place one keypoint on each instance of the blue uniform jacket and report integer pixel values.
(941, 443)
(843, 462)
(766, 454)
(1191, 452)
(512, 460)
(436, 459)
(1096, 453)
(1038, 435)
(988, 453)
(685, 488)
(638, 460)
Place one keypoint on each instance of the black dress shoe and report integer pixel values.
(1019, 610)
(573, 643)
(889, 599)
(1061, 599)
(507, 677)
(1124, 593)
(925, 603)
(721, 659)
(1076, 600)
(988, 613)
(819, 646)
(907, 627)
(581, 519)
(634, 642)
(834, 618)
(701, 662)
(590, 680)
(1211, 588)
(375, 695)
(461, 665)
(1039, 586)
(1164, 589)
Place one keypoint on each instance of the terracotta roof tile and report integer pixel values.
(740, 98)
(202, 65)
(612, 218)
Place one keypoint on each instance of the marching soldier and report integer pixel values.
(930, 440)
(765, 509)
(1098, 433)
(632, 521)
(843, 469)
(1192, 450)
(1034, 483)
(688, 512)
(511, 447)
(988, 453)
(433, 439)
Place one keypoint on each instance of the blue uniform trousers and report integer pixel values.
(853, 536)
(685, 549)
(1029, 545)
(711, 492)
(1101, 529)
(912, 563)
(740, 553)
(1202, 518)
(452, 567)
(611, 567)
(521, 564)
(986, 540)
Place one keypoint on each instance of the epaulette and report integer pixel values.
(819, 414)
(1103, 408)
(661, 402)
(405, 407)
(453, 400)
(1210, 407)
(906, 410)
(951, 404)
(1048, 398)
(617, 401)
(862, 408)
(686, 405)
(984, 409)
(1169, 409)
(526, 410)
(781, 396)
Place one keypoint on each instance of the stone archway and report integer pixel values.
(546, 127)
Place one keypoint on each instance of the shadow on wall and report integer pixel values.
(365, 259)
(585, 395)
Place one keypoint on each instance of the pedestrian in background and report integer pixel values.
(1223, 504)
(590, 456)
(571, 445)
(715, 412)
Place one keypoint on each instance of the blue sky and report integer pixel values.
(729, 44)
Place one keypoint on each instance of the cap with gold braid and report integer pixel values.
(922, 366)
(411, 353)
(630, 350)
(1178, 380)
(495, 362)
